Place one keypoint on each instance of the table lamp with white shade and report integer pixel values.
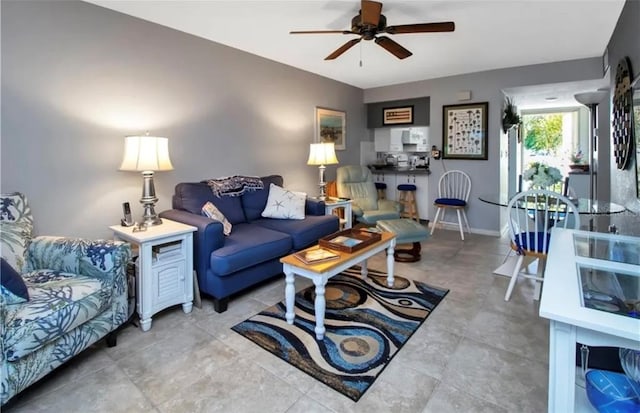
(322, 154)
(147, 154)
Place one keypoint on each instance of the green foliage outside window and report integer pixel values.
(543, 132)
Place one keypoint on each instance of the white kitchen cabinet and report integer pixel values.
(390, 180)
(388, 140)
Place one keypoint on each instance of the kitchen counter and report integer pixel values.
(386, 169)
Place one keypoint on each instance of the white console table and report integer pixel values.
(574, 255)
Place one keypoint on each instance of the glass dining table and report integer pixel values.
(585, 206)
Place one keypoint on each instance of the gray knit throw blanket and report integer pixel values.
(234, 185)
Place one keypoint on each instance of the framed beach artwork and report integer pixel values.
(465, 130)
(331, 126)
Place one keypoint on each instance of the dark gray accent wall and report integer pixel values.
(420, 111)
(487, 176)
(77, 78)
(624, 42)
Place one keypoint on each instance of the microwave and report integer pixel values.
(412, 136)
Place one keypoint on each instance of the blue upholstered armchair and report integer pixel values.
(356, 183)
(59, 296)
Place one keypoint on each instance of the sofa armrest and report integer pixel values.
(208, 238)
(314, 207)
(101, 259)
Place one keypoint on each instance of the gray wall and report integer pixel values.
(484, 87)
(77, 78)
(624, 42)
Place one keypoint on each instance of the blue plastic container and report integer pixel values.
(611, 392)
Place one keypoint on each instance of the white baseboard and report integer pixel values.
(453, 226)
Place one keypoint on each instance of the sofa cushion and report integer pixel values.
(254, 202)
(14, 290)
(16, 228)
(191, 196)
(59, 302)
(303, 232)
(284, 204)
(248, 245)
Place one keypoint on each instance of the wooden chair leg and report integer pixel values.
(435, 220)
(514, 277)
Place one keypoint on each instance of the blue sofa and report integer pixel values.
(226, 265)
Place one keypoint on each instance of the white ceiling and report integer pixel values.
(489, 34)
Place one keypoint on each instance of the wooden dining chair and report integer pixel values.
(454, 188)
(531, 216)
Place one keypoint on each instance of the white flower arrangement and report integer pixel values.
(541, 175)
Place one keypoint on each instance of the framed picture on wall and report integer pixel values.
(465, 130)
(397, 116)
(331, 126)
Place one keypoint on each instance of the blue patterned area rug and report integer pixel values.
(366, 325)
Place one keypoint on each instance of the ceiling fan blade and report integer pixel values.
(348, 45)
(421, 28)
(322, 32)
(393, 47)
(370, 12)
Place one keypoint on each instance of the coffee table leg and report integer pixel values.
(289, 293)
(320, 308)
(390, 262)
(364, 271)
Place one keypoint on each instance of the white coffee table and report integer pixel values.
(321, 272)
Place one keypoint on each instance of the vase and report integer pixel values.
(630, 361)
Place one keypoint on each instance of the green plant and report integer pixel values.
(543, 132)
(577, 157)
(510, 117)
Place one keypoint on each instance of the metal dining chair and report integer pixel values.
(454, 188)
(531, 215)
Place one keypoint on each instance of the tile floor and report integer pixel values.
(475, 353)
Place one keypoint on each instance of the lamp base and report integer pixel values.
(148, 201)
(323, 184)
(150, 218)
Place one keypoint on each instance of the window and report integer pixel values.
(553, 136)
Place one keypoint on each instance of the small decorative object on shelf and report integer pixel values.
(510, 118)
(542, 176)
(577, 162)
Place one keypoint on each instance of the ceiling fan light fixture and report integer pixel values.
(370, 23)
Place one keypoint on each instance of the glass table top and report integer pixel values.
(610, 273)
(585, 205)
(594, 246)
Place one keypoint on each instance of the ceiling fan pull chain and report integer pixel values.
(360, 54)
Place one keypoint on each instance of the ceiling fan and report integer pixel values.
(370, 23)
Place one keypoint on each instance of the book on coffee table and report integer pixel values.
(315, 256)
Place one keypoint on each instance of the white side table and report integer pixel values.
(335, 204)
(164, 271)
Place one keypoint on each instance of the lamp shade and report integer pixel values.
(322, 154)
(146, 153)
(591, 98)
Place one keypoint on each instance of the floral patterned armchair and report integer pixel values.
(76, 294)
